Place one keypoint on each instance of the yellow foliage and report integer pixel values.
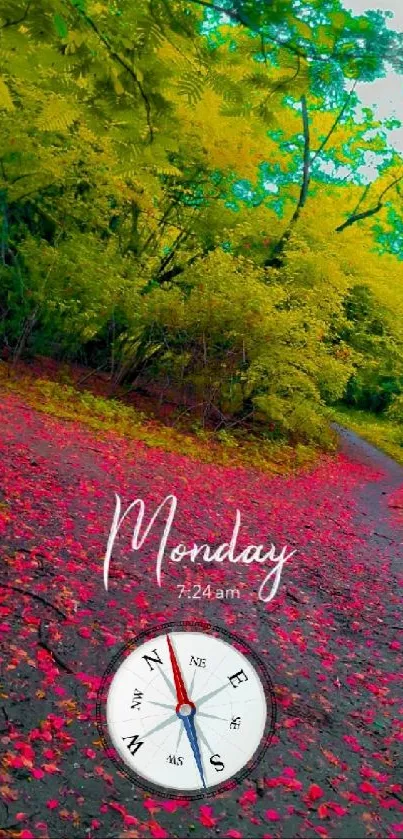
(57, 115)
(6, 102)
(226, 143)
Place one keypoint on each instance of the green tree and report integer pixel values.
(163, 169)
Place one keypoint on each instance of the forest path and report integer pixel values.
(332, 636)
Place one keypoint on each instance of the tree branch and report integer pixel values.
(39, 189)
(179, 269)
(183, 235)
(335, 124)
(228, 12)
(18, 20)
(262, 44)
(307, 161)
(306, 178)
(123, 63)
(161, 223)
(362, 199)
(238, 18)
(387, 188)
(287, 81)
(372, 211)
(287, 45)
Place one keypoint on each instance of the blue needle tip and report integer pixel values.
(190, 729)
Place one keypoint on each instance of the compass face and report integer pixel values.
(186, 710)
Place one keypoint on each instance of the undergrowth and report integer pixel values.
(64, 401)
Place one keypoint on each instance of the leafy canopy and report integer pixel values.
(184, 196)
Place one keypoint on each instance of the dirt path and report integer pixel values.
(332, 637)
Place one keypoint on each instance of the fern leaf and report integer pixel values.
(57, 115)
(225, 87)
(191, 86)
(152, 35)
(260, 81)
(266, 114)
(169, 171)
(241, 109)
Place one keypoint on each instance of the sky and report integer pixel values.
(386, 93)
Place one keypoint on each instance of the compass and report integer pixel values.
(186, 710)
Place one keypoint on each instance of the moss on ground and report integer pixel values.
(376, 429)
(103, 414)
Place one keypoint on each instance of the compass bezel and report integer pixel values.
(189, 626)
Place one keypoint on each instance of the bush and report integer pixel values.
(232, 337)
(395, 410)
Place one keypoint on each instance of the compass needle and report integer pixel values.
(187, 708)
(210, 695)
(204, 740)
(180, 687)
(192, 737)
(167, 681)
(192, 684)
(181, 730)
(161, 725)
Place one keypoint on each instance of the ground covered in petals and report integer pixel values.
(332, 637)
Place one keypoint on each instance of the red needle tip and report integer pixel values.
(181, 692)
